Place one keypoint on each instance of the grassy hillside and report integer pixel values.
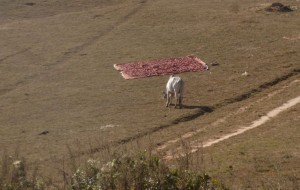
(58, 87)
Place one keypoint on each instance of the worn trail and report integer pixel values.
(262, 120)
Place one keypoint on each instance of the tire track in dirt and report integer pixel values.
(203, 111)
(196, 145)
(14, 54)
(75, 50)
(223, 119)
(72, 51)
(7, 89)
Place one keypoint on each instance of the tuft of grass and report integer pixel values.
(14, 176)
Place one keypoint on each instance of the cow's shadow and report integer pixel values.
(206, 109)
(199, 111)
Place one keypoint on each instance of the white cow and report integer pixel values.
(174, 87)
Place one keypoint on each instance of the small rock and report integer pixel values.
(245, 73)
(29, 4)
(44, 133)
(214, 64)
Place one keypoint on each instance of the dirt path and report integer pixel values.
(196, 145)
(223, 119)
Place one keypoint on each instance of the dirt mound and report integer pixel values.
(278, 7)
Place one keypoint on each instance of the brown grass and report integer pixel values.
(57, 75)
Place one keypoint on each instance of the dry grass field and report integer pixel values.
(60, 92)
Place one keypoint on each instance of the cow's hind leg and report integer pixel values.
(180, 101)
(176, 99)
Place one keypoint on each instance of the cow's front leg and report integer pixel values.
(168, 100)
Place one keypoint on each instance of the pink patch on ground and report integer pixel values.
(161, 67)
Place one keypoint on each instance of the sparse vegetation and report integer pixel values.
(14, 175)
(139, 171)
